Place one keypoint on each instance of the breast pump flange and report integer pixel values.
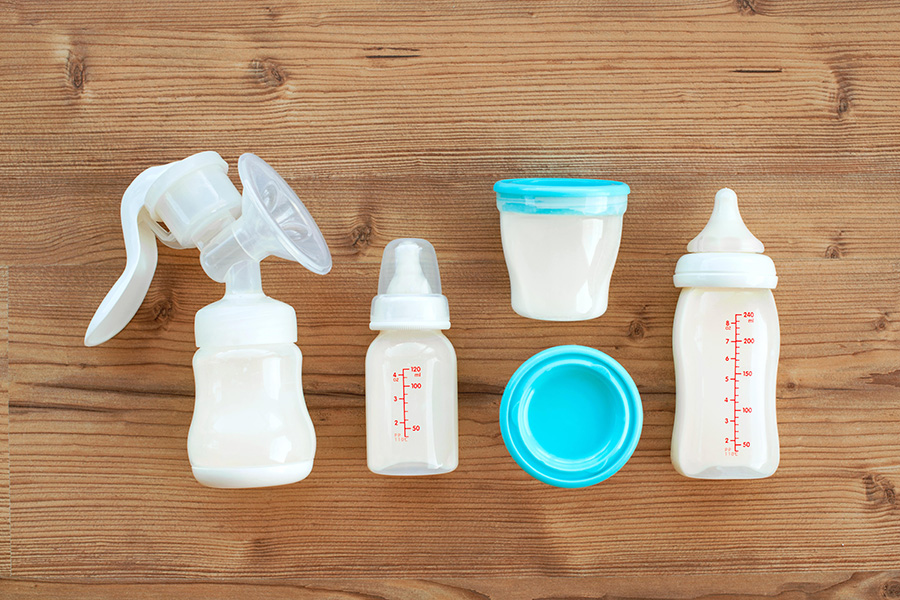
(250, 426)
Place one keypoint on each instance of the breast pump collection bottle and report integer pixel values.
(250, 426)
(411, 388)
(726, 345)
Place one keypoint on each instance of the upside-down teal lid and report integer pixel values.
(560, 196)
(571, 416)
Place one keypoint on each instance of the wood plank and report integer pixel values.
(320, 13)
(812, 586)
(359, 217)
(5, 531)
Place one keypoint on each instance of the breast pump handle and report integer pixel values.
(164, 193)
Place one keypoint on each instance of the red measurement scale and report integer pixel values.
(408, 383)
(737, 340)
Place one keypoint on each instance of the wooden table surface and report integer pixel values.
(394, 119)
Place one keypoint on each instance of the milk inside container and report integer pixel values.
(726, 343)
(411, 386)
(250, 426)
(560, 240)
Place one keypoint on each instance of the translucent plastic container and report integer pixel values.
(411, 403)
(726, 344)
(250, 426)
(411, 386)
(560, 239)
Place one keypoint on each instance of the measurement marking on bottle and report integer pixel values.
(736, 342)
(405, 378)
(736, 360)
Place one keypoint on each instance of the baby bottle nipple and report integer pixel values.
(725, 254)
(409, 288)
(408, 277)
(725, 231)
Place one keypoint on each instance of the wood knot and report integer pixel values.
(790, 386)
(747, 7)
(881, 323)
(891, 590)
(361, 236)
(163, 312)
(267, 72)
(842, 95)
(636, 330)
(833, 251)
(843, 104)
(880, 490)
(75, 72)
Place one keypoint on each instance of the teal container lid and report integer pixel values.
(571, 416)
(560, 196)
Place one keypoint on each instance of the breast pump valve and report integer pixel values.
(250, 426)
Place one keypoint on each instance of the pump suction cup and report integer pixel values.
(273, 222)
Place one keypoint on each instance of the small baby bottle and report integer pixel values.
(726, 342)
(411, 401)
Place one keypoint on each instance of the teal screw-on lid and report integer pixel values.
(571, 416)
(561, 196)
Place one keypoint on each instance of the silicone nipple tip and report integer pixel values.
(726, 195)
(408, 276)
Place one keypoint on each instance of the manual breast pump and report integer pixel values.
(250, 426)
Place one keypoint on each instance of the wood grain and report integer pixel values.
(811, 586)
(394, 119)
(5, 532)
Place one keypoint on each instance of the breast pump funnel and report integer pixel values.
(250, 426)
(273, 222)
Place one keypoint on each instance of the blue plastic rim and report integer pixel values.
(571, 416)
(597, 197)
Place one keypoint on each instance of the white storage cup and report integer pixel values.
(560, 239)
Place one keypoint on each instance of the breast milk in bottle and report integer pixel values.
(726, 342)
(411, 395)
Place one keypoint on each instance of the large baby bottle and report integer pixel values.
(411, 400)
(250, 426)
(726, 343)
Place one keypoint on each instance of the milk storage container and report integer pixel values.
(560, 239)
(726, 344)
(250, 426)
(411, 389)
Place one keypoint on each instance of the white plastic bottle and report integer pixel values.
(411, 387)
(726, 343)
(250, 426)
